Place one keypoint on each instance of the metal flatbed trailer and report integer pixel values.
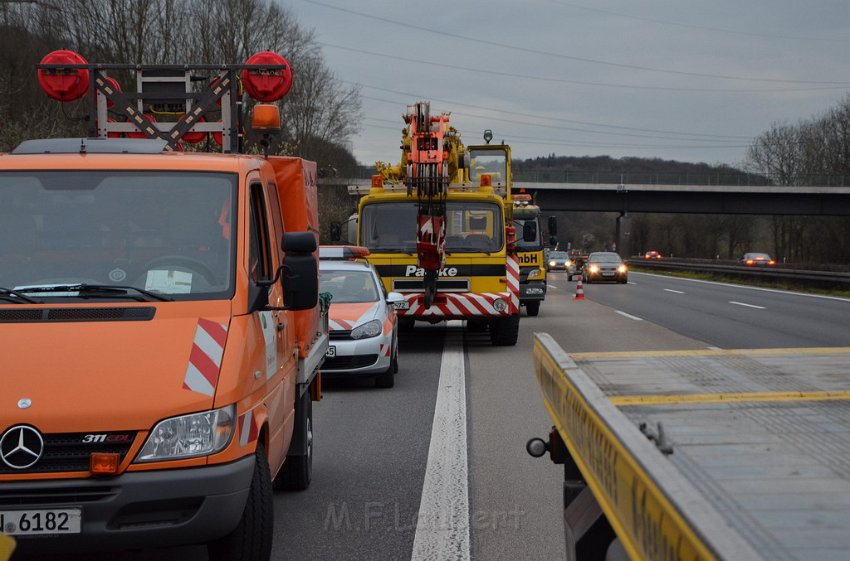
(726, 454)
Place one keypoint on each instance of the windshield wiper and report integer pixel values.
(16, 296)
(97, 291)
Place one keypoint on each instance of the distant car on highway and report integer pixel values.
(757, 260)
(558, 261)
(605, 265)
(652, 255)
(363, 328)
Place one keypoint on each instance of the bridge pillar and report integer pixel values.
(623, 235)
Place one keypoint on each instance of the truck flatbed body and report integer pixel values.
(726, 454)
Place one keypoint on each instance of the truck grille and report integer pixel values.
(69, 452)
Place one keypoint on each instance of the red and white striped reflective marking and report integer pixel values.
(512, 270)
(340, 324)
(458, 305)
(248, 430)
(205, 358)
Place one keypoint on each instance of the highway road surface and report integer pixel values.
(436, 469)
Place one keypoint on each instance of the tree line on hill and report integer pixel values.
(812, 152)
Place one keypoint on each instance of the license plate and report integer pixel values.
(608, 274)
(401, 305)
(331, 351)
(35, 522)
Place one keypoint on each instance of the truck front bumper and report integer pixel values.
(532, 290)
(137, 509)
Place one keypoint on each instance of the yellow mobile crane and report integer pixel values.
(439, 228)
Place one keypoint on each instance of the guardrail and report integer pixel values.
(828, 279)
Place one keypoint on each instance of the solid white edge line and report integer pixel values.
(822, 296)
(630, 316)
(442, 529)
(747, 305)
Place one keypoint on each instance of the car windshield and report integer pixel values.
(163, 232)
(604, 258)
(471, 227)
(757, 256)
(557, 255)
(347, 286)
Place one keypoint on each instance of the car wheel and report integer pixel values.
(532, 308)
(251, 540)
(395, 356)
(385, 379)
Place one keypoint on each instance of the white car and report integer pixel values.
(362, 322)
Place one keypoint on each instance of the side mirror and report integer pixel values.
(529, 231)
(553, 226)
(300, 271)
(394, 298)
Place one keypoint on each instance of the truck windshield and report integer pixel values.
(164, 232)
(471, 227)
(493, 162)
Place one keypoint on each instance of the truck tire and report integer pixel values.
(532, 308)
(297, 471)
(476, 325)
(504, 332)
(251, 540)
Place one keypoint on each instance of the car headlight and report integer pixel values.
(568, 263)
(594, 268)
(369, 329)
(621, 269)
(189, 436)
(535, 274)
(551, 263)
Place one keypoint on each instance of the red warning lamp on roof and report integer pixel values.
(64, 84)
(267, 84)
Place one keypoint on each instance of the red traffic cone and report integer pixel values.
(579, 290)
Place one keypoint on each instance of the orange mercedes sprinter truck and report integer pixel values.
(160, 326)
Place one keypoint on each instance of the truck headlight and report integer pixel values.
(535, 274)
(369, 329)
(189, 436)
(500, 305)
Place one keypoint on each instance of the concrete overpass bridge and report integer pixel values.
(702, 196)
(626, 198)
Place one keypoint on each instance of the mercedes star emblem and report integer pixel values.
(21, 447)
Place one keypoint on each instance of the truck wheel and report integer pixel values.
(297, 471)
(251, 540)
(476, 326)
(504, 332)
(532, 308)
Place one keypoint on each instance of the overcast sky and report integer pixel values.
(673, 79)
